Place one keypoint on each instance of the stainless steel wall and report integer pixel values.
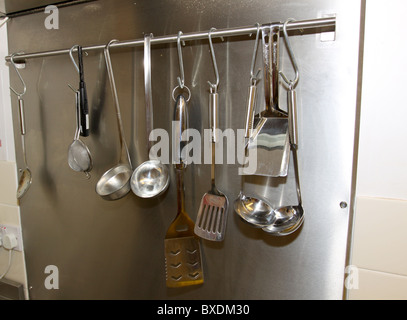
(116, 249)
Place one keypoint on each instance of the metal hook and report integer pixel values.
(19, 95)
(214, 87)
(254, 78)
(291, 83)
(73, 60)
(181, 80)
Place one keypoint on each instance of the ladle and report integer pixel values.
(151, 178)
(256, 211)
(290, 218)
(25, 180)
(115, 183)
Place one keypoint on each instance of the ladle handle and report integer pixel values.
(292, 117)
(22, 116)
(148, 90)
(124, 155)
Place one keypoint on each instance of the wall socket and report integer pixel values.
(4, 229)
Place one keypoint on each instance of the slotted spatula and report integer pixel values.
(212, 213)
(183, 259)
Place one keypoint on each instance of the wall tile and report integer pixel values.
(375, 285)
(8, 185)
(379, 235)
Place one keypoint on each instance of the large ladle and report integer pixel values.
(253, 210)
(25, 179)
(115, 183)
(289, 218)
(151, 178)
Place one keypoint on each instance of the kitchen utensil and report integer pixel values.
(25, 179)
(183, 259)
(270, 135)
(212, 214)
(115, 183)
(79, 157)
(253, 210)
(151, 178)
(83, 97)
(290, 218)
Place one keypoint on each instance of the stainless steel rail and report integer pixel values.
(229, 32)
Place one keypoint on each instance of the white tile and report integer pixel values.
(8, 183)
(379, 235)
(9, 215)
(375, 285)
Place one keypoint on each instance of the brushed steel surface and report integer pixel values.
(114, 250)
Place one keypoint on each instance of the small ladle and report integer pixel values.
(151, 178)
(115, 183)
(253, 210)
(25, 179)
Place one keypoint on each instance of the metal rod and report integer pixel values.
(230, 32)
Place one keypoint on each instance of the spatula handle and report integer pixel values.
(251, 103)
(213, 115)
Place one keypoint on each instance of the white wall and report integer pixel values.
(379, 239)
(9, 208)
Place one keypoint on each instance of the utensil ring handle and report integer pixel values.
(185, 87)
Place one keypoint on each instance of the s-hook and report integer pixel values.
(255, 78)
(292, 97)
(291, 83)
(214, 86)
(181, 80)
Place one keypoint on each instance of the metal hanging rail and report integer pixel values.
(230, 32)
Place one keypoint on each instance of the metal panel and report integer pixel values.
(116, 249)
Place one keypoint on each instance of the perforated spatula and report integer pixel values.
(212, 213)
(183, 259)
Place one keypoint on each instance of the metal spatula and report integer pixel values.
(183, 261)
(212, 213)
(270, 135)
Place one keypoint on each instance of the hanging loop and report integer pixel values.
(255, 78)
(291, 83)
(214, 86)
(19, 95)
(181, 80)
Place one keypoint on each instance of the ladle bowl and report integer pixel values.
(150, 179)
(115, 183)
(254, 211)
(24, 183)
(287, 220)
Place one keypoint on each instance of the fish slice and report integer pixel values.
(270, 138)
(212, 213)
(183, 258)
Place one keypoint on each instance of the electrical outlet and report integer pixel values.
(4, 229)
